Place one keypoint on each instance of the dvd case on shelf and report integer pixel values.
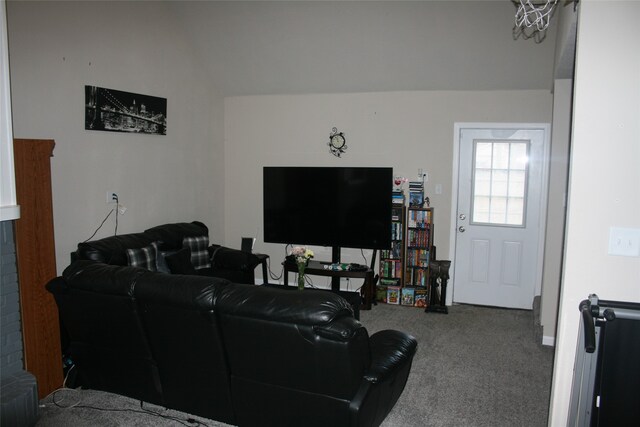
(393, 295)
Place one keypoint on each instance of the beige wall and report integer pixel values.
(56, 49)
(404, 130)
(604, 180)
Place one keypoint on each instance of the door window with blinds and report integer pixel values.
(499, 195)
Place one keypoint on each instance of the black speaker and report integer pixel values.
(247, 244)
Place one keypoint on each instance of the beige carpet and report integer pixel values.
(475, 366)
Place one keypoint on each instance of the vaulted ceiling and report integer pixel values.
(270, 47)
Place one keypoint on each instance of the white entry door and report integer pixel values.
(502, 188)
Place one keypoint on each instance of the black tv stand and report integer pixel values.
(335, 254)
(335, 259)
(316, 268)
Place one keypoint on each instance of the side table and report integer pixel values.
(265, 272)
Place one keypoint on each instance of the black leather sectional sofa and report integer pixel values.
(227, 263)
(241, 354)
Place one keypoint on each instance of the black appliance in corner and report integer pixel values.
(606, 383)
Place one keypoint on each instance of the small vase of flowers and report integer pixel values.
(302, 256)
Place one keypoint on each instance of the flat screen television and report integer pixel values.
(339, 207)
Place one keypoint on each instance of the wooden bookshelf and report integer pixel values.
(391, 260)
(418, 247)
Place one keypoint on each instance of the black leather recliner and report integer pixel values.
(104, 335)
(301, 359)
(244, 355)
(180, 316)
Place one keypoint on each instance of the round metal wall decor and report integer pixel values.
(337, 142)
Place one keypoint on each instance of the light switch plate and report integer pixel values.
(624, 241)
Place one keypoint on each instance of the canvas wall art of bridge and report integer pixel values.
(117, 111)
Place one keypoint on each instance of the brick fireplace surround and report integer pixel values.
(18, 388)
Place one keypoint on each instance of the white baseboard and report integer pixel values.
(550, 341)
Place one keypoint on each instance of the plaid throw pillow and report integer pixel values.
(199, 254)
(143, 257)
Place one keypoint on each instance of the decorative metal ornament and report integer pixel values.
(337, 142)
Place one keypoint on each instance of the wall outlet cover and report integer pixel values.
(624, 241)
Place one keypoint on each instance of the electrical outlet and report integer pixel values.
(112, 197)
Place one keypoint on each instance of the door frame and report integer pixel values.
(457, 128)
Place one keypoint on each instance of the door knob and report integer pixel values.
(461, 229)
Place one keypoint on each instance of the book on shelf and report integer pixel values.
(391, 268)
(381, 293)
(416, 193)
(396, 213)
(418, 218)
(418, 257)
(396, 231)
(396, 249)
(408, 296)
(397, 198)
(420, 298)
(418, 237)
(417, 276)
(394, 252)
(393, 295)
(416, 198)
(415, 185)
